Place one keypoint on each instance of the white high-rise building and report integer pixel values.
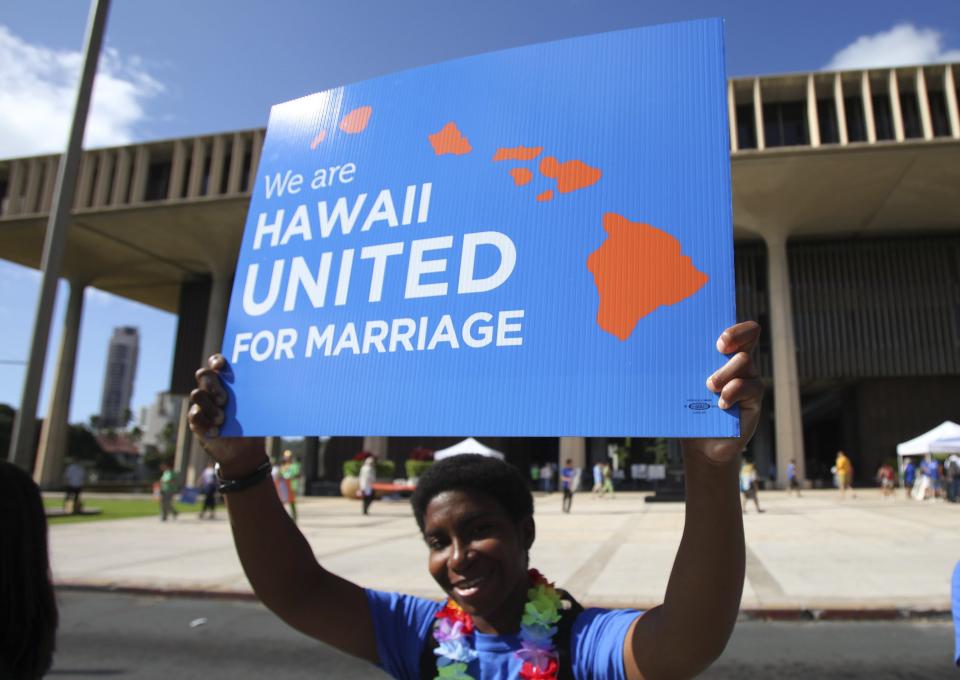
(118, 377)
(154, 419)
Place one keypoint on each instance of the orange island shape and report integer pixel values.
(637, 269)
(449, 140)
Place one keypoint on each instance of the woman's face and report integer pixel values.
(478, 555)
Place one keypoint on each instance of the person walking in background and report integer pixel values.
(568, 480)
(909, 477)
(748, 484)
(844, 474)
(597, 478)
(886, 478)
(607, 474)
(793, 483)
(28, 605)
(368, 475)
(169, 485)
(208, 485)
(75, 476)
(546, 477)
(284, 489)
(952, 468)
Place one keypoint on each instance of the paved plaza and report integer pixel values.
(817, 552)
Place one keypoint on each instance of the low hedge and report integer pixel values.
(385, 468)
(416, 468)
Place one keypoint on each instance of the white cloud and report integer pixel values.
(38, 92)
(902, 45)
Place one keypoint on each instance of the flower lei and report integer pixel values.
(454, 629)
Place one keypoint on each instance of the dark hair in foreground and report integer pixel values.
(28, 608)
(473, 472)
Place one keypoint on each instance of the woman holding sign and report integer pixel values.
(502, 618)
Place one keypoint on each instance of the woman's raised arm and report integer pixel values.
(275, 556)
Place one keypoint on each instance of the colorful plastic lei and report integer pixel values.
(454, 629)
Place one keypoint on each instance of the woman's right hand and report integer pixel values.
(238, 456)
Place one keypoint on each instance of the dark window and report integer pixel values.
(185, 179)
(205, 182)
(883, 116)
(827, 118)
(225, 173)
(856, 123)
(785, 124)
(3, 195)
(910, 111)
(746, 130)
(158, 181)
(245, 174)
(938, 113)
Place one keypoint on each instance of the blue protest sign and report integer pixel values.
(532, 242)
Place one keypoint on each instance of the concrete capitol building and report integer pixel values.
(847, 251)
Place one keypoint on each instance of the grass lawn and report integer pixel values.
(115, 508)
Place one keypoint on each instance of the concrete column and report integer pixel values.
(841, 109)
(88, 166)
(950, 90)
(212, 340)
(53, 436)
(217, 155)
(32, 192)
(101, 189)
(51, 166)
(197, 161)
(178, 166)
(758, 115)
(867, 96)
(813, 119)
(14, 188)
(181, 456)
(237, 152)
(732, 116)
(255, 148)
(141, 168)
(895, 111)
(121, 177)
(377, 446)
(786, 383)
(924, 104)
(574, 448)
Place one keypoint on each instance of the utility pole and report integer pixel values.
(22, 441)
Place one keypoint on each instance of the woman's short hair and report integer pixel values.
(472, 472)
(28, 607)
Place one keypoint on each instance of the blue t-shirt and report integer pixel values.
(567, 476)
(403, 622)
(909, 473)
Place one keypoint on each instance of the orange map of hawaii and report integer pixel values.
(637, 269)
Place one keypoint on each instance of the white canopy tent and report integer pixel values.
(944, 438)
(468, 445)
(948, 445)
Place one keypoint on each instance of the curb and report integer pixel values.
(798, 615)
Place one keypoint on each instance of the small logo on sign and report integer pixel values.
(698, 405)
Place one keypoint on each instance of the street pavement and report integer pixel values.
(804, 555)
(104, 635)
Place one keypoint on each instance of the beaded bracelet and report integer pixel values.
(234, 485)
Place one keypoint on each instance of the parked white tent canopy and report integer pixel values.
(944, 438)
(468, 445)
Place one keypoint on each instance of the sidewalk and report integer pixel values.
(807, 554)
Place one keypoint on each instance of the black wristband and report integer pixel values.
(234, 485)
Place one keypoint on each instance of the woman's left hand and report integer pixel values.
(737, 383)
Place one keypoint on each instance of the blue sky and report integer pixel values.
(178, 68)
